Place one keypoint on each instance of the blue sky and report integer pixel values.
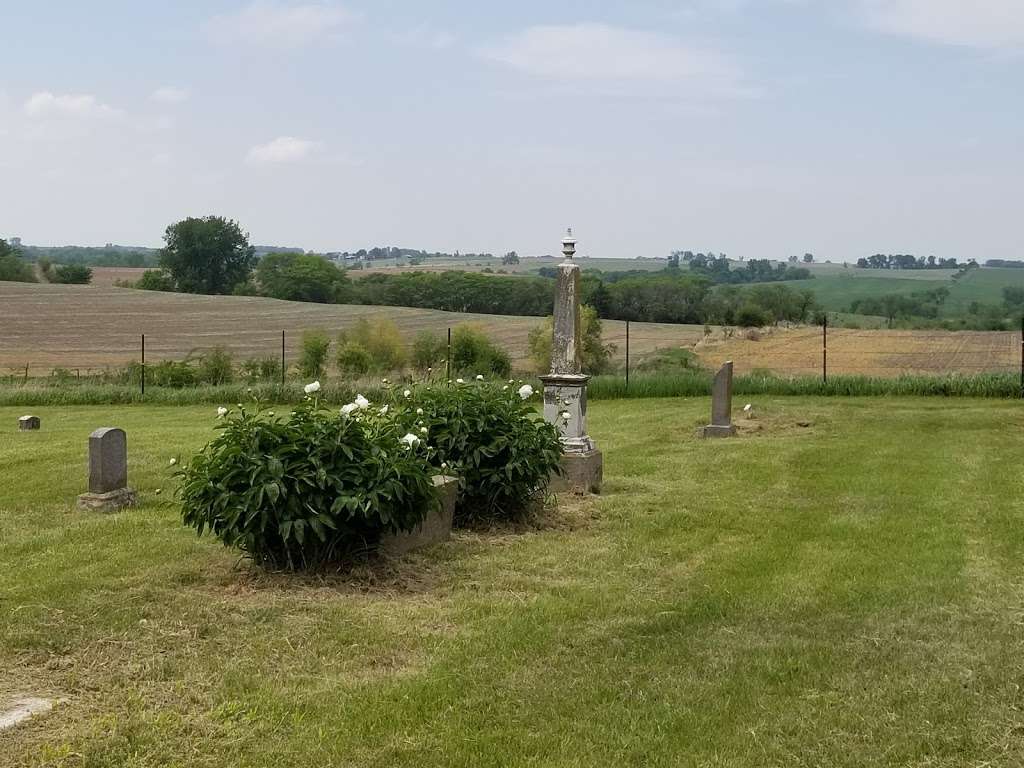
(759, 128)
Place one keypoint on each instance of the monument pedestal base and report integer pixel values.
(436, 526)
(715, 430)
(582, 473)
(108, 502)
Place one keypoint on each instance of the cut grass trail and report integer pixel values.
(844, 594)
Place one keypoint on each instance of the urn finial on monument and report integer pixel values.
(565, 387)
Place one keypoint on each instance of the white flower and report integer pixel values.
(444, 465)
(407, 393)
(505, 388)
(419, 411)
(410, 440)
(511, 381)
(271, 414)
(479, 377)
(747, 408)
(347, 409)
(222, 412)
(566, 415)
(309, 389)
(460, 381)
(383, 411)
(362, 402)
(525, 391)
(383, 381)
(423, 430)
(159, 491)
(173, 462)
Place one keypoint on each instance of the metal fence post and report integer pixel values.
(143, 365)
(448, 358)
(824, 349)
(282, 360)
(1022, 356)
(627, 355)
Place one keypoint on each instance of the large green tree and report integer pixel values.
(207, 255)
(13, 267)
(301, 277)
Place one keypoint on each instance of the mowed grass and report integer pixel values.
(840, 586)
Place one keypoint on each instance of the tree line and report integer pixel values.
(909, 261)
(211, 255)
(16, 267)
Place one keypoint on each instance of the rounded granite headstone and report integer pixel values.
(26, 423)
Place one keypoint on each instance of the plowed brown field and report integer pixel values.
(91, 327)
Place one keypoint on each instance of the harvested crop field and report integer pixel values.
(866, 353)
(90, 327)
(105, 277)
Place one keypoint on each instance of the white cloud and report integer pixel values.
(169, 94)
(990, 24)
(591, 51)
(283, 149)
(273, 24)
(46, 104)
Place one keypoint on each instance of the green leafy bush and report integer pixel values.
(474, 353)
(257, 369)
(381, 339)
(594, 353)
(752, 316)
(156, 280)
(428, 350)
(354, 359)
(492, 439)
(71, 274)
(313, 359)
(309, 490)
(216, 367)
(171, 373)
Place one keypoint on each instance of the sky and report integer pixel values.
(758, 128)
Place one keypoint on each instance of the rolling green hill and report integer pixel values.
(837, 289)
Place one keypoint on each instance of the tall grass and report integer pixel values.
(681, 384)
(698, 383)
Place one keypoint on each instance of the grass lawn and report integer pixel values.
(849, 593)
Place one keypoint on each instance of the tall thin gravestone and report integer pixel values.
(565, 387)
(108, 472)
(721, 405)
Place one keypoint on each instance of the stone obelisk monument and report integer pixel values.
(565, 388)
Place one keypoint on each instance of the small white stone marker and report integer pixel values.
(748, 407)
(22, 709)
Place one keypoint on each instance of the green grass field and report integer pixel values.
(843, 593)
(836, 289)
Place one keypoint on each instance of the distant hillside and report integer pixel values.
(837, 288)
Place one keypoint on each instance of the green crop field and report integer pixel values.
(836, 289)
(839, 586)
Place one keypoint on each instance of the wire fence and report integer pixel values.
(823, 351)
(638, 348)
